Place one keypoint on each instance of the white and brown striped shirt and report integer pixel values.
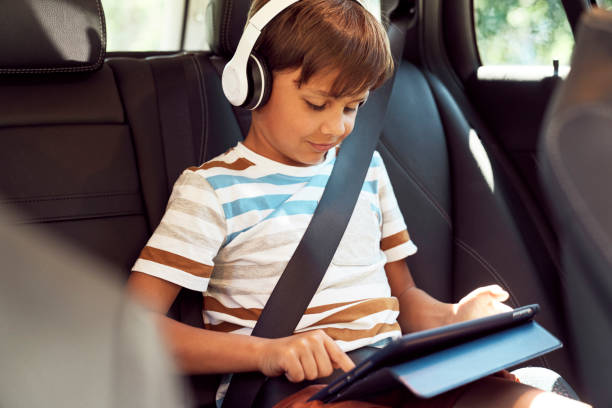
(232, 224)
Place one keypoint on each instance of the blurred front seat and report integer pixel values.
(576, 156)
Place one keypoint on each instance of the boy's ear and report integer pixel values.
(259, 79)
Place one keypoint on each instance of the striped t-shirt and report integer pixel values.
(232, 224)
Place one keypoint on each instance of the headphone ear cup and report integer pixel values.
(260, 82)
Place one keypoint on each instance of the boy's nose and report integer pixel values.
(334, 125)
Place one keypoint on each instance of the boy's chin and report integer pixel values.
(312, 160)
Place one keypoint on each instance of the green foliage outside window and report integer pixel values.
(605, 4)
(143, 25)
(522, 32)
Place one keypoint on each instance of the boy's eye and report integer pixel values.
(351, 109)
(319, 108)
(314, 107)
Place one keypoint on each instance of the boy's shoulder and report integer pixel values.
(237, 160)
(231, 160)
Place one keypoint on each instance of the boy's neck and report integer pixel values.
(253, 148)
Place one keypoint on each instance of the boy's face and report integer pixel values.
(297, 126)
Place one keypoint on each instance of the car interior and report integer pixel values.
(91, 144)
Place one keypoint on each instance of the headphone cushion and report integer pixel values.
(260, 82)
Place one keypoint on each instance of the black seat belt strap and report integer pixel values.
(314, 253)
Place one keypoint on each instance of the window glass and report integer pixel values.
(522, 32)
(605, 4)
(143, 25)
(199, 23)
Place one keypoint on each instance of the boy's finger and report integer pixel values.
(323, 360)
(294, 371)
(309, 366)
(338, 357)
(502, 296)
(295, 376)
(482, 290)
(493, 289)
(496, 291)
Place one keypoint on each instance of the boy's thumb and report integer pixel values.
(499, 293)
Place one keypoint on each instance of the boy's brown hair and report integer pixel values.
(321, 36)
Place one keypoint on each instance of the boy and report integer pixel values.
(244, 213)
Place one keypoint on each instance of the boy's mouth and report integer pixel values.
(321, 147)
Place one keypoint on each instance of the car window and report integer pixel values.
(523, 33)
(198, 25)
(144, 25)
(605, 4)
(157, 25)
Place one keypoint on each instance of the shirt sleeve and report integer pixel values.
(191, 232)
(395, 241)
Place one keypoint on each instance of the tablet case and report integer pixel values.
(453, 367)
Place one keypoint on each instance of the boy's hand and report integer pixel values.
(481, 302)
(303, 356)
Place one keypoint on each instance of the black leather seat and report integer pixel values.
(457, 205)
(66, 151)
(91, 148)
(576, 148)
(92, 156)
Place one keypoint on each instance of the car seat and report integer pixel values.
(576, 152)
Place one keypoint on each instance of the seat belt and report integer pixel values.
(295, 289)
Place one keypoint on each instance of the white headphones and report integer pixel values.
(246, 80)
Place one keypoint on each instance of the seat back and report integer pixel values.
(456, 206)
(179, 118)
(576, 149)
(66, 152)
(90, 148)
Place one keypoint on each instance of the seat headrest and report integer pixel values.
(229, 18)
(41, 36)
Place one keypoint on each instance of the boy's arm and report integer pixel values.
(307, 355)
(420, 311)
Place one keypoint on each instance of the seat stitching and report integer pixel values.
(488, 267)
(204, 106)
(225, 40)
(28, 220)
(68, 197)
(103, 30)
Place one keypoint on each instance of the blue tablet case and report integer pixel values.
(453, 367)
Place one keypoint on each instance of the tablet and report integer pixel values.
(424, 342)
